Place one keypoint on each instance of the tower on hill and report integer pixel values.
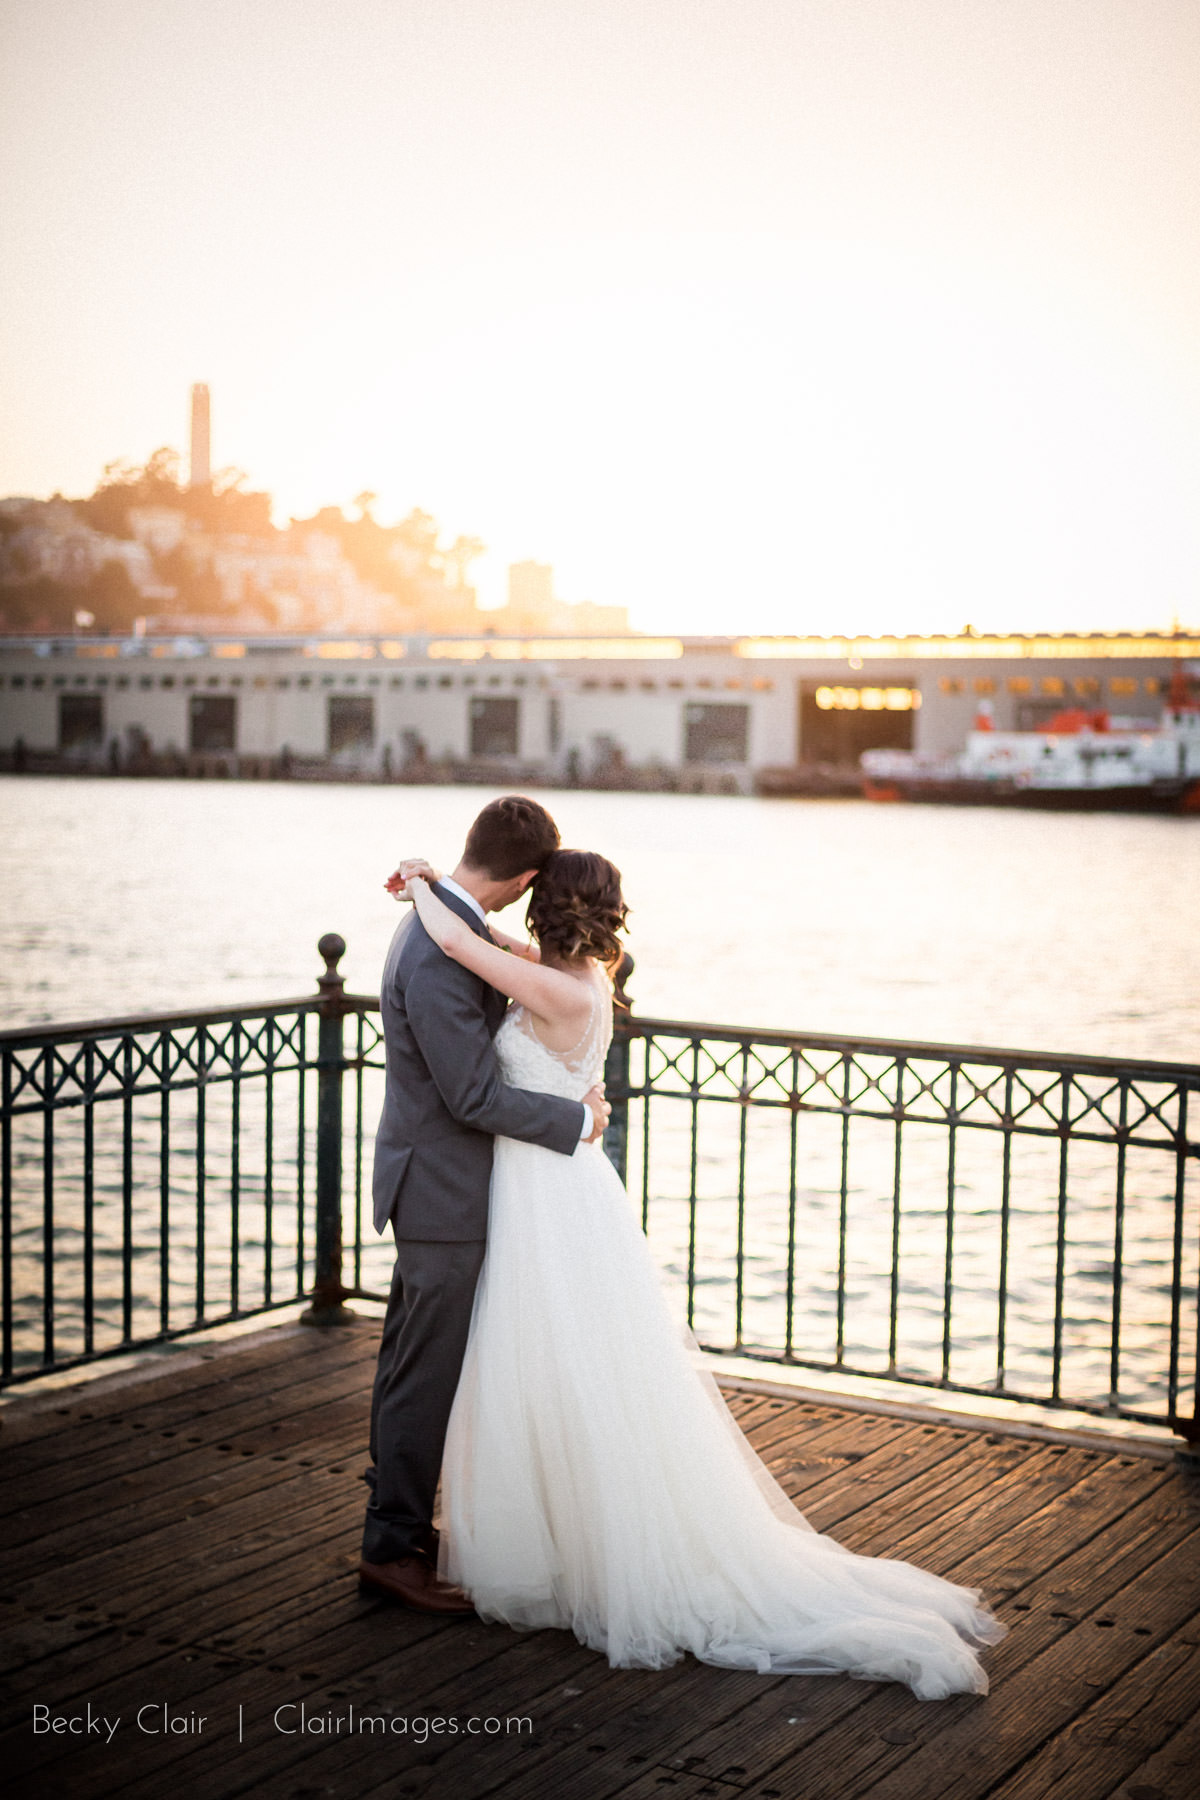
(200, 462)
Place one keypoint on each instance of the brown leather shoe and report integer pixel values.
(413, 1581)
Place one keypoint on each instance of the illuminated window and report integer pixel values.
(1153, 684)
(763, 687)
(1086, 686)
(983, 684)
(734, 684)
(1019, 684)
(948, 684)
(1123, 684)
(1053, 684)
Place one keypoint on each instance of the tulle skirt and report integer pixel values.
(594, 1479)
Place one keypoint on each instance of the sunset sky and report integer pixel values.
(784, 315)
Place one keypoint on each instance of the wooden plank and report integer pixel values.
(1109, 1741)
(26, 1417)
(122, 1504)
(1170, 1773)
(103, 1441)
(763, 1739)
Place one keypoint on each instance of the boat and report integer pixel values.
(1078, 761)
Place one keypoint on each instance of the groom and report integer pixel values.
(444, 1103)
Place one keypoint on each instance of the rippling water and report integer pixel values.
(1075, 933)
(934, 924)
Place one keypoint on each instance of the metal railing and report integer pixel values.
(1019, 1226)
(1009, 1224)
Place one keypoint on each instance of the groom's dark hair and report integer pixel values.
(510, 835)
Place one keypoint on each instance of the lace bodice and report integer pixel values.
(528, 1063)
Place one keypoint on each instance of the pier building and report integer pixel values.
(725, 713)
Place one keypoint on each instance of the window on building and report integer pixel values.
(445, 681)
(351, 722)
(1086, 687)
(80, 721)
(949, 684)
(494, 726)
(1123, 684)
(838, 722)
(1153, 685)
(166, 681)
(716, 733)
(1053, 684)
(212, 722)
(983, 684)
(60, 681)
(554, 723)
(145, 681)
(1019, 684)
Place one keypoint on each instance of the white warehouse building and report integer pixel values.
(727, 712)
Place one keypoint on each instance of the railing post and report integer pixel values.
(616, 1072)
(327, 1303)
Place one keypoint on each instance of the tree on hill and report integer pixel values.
(223, 506)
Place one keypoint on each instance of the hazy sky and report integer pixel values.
(771, 314)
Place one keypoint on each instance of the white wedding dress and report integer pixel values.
(594, 1479)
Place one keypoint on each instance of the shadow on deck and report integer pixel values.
(186, 1536)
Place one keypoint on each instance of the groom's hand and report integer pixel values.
(599, 1108)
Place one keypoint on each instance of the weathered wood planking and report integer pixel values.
(188, 1534)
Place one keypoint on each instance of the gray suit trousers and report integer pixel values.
(420, 1360)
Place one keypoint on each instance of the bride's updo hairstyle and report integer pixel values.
(576, 908)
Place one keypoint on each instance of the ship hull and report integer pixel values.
(1151, 797)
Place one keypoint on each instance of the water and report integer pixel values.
(932, 924)
(942, 924)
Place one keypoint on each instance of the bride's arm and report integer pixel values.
(518, 946)
(549, 995)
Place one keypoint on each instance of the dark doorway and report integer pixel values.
(212, 722)
(717, 733)
(839, 721)
(351, 722)
(80, 721)
(494, 726)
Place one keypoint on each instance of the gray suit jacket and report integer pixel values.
(445, 1100)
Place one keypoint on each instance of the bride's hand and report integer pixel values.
(397, 883)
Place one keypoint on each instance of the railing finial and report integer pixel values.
(332, 948)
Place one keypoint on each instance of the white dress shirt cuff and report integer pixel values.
(585, 1130)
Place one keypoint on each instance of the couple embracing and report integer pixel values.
(592, 1477)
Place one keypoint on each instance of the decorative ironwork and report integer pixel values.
(1067, 1187)
(1020, 1226)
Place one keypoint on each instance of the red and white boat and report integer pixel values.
(1078, 760)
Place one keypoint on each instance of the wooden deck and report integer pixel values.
(188, 1537)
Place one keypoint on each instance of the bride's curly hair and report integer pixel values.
(576, 908)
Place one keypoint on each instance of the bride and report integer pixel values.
(593, 1478)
